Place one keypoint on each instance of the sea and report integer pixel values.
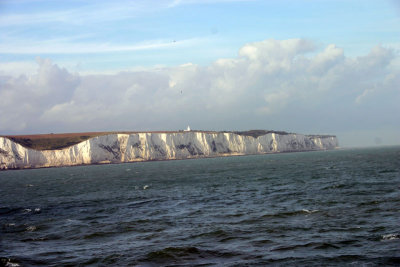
(323, 208)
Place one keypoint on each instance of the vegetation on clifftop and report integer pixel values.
(52, 141)
(257, 133)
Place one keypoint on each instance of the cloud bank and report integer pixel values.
(273, 84)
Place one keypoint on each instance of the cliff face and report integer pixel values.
(117, 148)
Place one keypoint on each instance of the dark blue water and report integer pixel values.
(338, 208)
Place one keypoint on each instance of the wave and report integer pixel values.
(290, 213)
(9, 210)
(8, 262)
(31, 228)
(340, 260)
(216, 233)
(15, 210)
(186, 254)
(390, 237)
(18, 228)
(313, 245)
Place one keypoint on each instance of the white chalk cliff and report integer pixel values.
(117, 148)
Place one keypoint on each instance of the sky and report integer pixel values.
(311, 67)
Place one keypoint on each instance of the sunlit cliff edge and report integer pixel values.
(134, 147)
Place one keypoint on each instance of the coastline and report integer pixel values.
(160, 160)
(158, 146)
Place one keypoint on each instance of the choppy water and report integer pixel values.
(308, 209)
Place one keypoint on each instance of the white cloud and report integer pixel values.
(24, 98)
(18, 68)
(275, 102)
(327, 59)
(75, 47)
(271, 84)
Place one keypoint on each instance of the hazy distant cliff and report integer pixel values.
(117, 148)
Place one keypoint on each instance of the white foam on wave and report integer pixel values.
(31, 228)
(309, 211)
(35, 210)
(12, 264)
(74, 222)
(390, 237)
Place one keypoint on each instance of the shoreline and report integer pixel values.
(172, 159)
